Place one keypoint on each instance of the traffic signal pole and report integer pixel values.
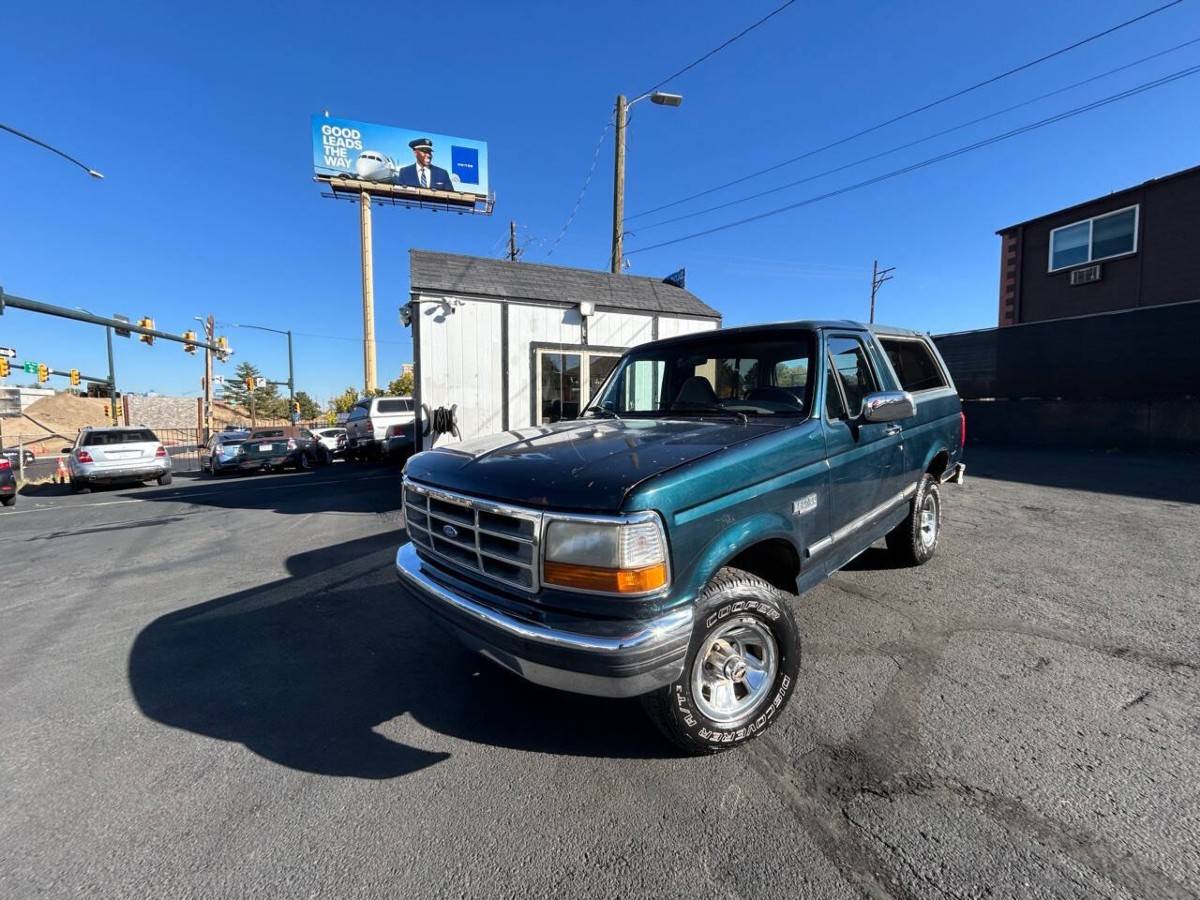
(112, 379)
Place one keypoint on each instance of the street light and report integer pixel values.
(621, 120)
(43, 144)
(291, 377)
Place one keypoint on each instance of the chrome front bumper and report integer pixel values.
(627, 662)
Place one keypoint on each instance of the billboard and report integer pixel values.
(398, 157)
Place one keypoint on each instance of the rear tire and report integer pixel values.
(8, 501)
(914, 541)
(164, 479)
(79, 486)
(747, 634)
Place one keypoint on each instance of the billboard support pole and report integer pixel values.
(368, 292)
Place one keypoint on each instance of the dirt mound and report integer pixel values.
(50, 421)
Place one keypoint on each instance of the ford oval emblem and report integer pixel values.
(450, 531)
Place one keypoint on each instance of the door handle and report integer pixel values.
(892, 430)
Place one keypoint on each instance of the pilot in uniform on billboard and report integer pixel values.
(423, 173)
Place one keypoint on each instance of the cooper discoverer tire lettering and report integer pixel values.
(741, 667)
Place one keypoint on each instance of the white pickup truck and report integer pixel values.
(368, 423)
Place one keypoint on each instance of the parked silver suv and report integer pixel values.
(116, 454)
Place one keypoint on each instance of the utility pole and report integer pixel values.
(878, 277)
(621, 120)
(513, 252)
(368, 292)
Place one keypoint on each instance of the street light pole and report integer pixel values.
(620, 123)
(112, 378)
(43, 144)
(291, 382)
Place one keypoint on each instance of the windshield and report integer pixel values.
(757, 374)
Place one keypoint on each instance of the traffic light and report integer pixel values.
(3, 367)
(106, 410)
(43, 373)
(74, 378)
(146, 338)
(189, 337)
(222, 348)
(296, 408)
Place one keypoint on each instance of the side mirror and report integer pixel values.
(888, 406)
(66, 449)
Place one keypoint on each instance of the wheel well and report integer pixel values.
(774, 561)
(937, 465)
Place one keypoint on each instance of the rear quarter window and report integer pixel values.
(914, 364)
(394, 406)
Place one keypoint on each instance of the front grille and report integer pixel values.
(489, 539)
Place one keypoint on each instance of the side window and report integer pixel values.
(834, 408)
(914, 364)
(853, 371)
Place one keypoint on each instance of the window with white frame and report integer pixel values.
(1094, 239)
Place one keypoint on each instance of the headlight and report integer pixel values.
(614, 558)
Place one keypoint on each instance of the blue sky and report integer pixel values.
(198, 114)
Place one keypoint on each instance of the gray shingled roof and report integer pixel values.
(448, 273)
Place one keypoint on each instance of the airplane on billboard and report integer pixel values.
(372, 165)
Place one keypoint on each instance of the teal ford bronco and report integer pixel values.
(652, 547)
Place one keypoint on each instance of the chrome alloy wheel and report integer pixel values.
(734, 670)
(929, 521)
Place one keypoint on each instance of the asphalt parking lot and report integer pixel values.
(211, 689)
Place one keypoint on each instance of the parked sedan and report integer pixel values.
(108, 455)
(221, 452)
(333, 439)
(281, 448)
(14, 455)
(8, 483)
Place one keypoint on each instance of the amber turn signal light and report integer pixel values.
(612, 581)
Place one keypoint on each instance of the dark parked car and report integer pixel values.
(8, 482)
(14, 455)
(654, 547)
(281, 448)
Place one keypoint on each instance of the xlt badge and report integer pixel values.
(805, 504)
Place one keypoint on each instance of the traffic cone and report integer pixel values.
(61, 475)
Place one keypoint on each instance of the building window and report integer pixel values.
(561, 379)
(1101, 237)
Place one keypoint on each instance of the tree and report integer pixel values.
(402, 386)
(268, 404)
(309, 410)
(345, 401)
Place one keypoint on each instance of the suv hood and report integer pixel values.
(588, 464)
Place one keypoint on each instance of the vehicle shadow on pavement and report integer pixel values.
(304, 670)
(1172, 477)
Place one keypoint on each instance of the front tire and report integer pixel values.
(164, 479)
(741, 666)
(914, 541)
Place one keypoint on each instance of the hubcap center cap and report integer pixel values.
(735, 668)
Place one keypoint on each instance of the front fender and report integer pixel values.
(731, 541)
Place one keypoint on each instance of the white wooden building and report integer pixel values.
(513, 344)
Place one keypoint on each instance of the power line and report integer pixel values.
(932, 160)
(874, 156)
(583, 190)
(741, 34)
(912, 112)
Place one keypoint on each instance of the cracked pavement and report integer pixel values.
(208, 690)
